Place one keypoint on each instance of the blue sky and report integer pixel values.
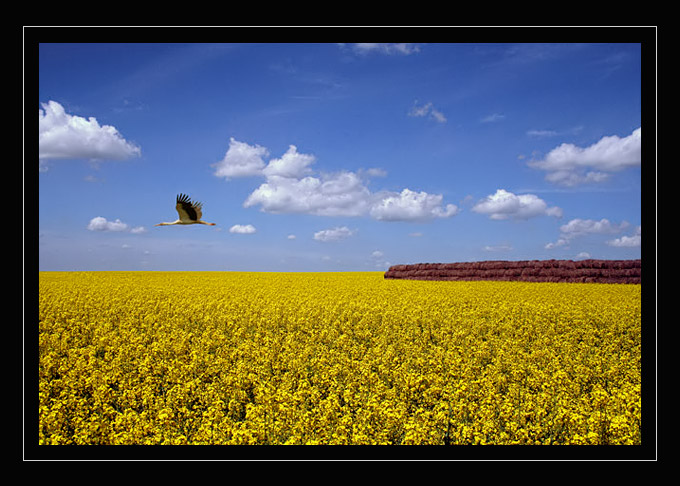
(337, 157)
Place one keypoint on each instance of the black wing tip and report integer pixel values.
(185, 200)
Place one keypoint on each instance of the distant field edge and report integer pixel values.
(571, 271)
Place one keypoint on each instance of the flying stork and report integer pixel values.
(189, 212)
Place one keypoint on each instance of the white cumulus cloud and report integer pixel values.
(100, 223)
(341, 194)
(628, 241)
(506, 205)
(241, 229)
(570, 165)
(241, 160)
(292, 186)
(411, 206)
(334, 234)
(64, 136)
(291, 164)
(580, 227)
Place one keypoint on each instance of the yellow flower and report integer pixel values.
(337, 358)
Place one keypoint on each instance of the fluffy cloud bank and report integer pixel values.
(634, 240)
(64, 136)
(292, 186)
(580, 227)
(342, 194)
(569, 165)
(506, 205)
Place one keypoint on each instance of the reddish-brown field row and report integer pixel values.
(585, 271)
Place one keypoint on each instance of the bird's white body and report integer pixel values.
(189, 212)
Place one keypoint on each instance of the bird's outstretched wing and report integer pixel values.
(188, 210)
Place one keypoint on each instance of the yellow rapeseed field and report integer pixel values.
(334, 358)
